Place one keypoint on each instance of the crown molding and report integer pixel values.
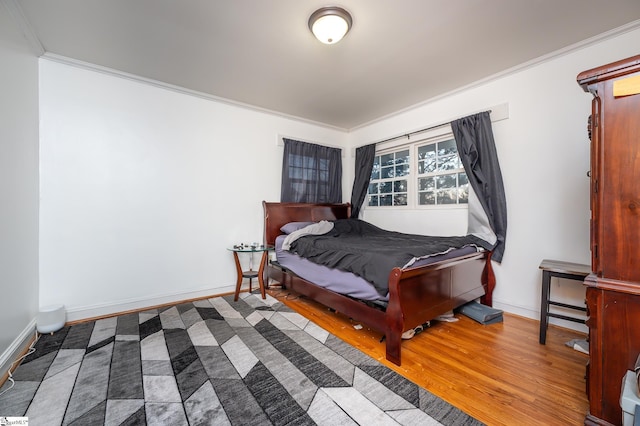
(16, 12)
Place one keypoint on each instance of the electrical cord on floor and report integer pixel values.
(292, 297)
(31, 350)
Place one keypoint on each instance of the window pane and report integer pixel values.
(387, 160)
(386, 200)
(427, 198)
(402, 170)
(447, 147)
(308, 162)
(462, 179)
(373, 200)
(426, 184)
(295, 160)
(463, 194)
(446, 181)
(447, 196)
(385, 187)
(449, 162)
(427, 151)
(400, 186)
(375, 171)
(373, 188)
(295, 173)
(400, 199)
(427, 166)
(402, 157)
(387, 172)
(297, 189)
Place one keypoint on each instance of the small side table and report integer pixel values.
(560, 269)
(250, 273)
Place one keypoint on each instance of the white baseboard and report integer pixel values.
(522, 311)
(105, 309)
(535, 314)
(16, 347)
(84, 312)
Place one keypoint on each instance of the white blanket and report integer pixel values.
(319, 228)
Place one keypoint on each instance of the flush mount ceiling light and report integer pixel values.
(330, 24)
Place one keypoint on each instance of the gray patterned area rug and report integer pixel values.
(213, 362)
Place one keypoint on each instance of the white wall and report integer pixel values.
(144, 188)
(18, 187)
(544, 155)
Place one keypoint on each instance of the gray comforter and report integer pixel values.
(359, 247)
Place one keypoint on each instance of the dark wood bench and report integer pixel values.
(559, 269)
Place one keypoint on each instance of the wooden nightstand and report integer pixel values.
(250, 273)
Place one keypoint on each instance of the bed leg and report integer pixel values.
(394, 318)
(488, 282)
(394, 340)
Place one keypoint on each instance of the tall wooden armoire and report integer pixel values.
(613, 287)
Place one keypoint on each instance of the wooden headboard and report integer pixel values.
(278, 214)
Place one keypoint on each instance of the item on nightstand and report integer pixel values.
(629, 400)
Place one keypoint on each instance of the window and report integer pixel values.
(425, 173)
(306, 171)
(441, 177)
(311, 173)
(389, 184)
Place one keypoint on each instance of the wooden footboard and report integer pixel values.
(416, 295)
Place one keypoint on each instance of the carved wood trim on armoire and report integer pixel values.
(613, 287)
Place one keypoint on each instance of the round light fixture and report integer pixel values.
(330, 24)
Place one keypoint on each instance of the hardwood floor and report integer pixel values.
(497, 373)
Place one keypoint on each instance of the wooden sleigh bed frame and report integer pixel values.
(416, 294)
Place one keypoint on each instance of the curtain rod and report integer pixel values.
(415, 132)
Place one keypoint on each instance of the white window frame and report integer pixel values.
(432, 136)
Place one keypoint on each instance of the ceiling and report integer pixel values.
(261, 53)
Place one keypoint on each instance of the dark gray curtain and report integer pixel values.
(477, 150)
(364, 163)
(311, 173)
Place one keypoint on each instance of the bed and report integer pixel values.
(416, 294)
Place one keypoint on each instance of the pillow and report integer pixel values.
(294, 226)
